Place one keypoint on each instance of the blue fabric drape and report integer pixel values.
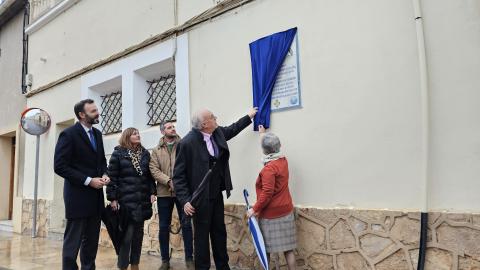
(267, 55)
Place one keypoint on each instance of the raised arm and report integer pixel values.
(235, 128)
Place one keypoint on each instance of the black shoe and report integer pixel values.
(190, 264)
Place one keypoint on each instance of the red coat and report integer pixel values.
(273, 196)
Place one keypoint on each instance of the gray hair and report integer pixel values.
(197, 119)
(270, 143)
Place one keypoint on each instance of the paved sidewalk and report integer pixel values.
(24, 253)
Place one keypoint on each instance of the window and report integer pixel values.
(111, 113)
(162, 101)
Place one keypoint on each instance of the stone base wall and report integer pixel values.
(356, 239)
(42, 217)
(338, 239)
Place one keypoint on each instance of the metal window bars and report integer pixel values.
(162, 101)
(111, 113)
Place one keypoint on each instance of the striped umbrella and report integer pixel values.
(257, 236)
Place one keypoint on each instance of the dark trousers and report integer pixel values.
(209, 223)
(165, 209)
(80, 235)
(131, 247)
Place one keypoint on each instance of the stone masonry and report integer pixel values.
(336, 239)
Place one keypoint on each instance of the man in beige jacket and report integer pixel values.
(161, 166)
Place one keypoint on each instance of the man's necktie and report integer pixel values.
(92, 139)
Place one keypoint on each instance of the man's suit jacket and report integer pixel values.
(193, 160)
(75, 160)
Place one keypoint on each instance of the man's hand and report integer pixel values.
(105, 179)
(189, 209)
(261, 129)
(252, 112)
(115, 205)
(97, 183)
(170, 184)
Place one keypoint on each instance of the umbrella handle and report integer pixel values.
(197, 192)
(245, 195)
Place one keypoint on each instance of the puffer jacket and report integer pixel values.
(131, 190)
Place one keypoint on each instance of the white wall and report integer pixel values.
(356, 141)
(133, 72)
(11, 73)
(93, 30)
(13, 104)
(188, 8)
(58, 102)
(5, 155)
(128, 74)
(452, 30)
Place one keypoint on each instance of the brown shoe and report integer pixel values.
(165, 266)
(134, 267)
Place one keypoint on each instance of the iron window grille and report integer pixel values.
(111, 113)
(162, 100)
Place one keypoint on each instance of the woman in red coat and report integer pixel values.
(274, 207)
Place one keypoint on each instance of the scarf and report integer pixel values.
(136, 155)
(271, 157)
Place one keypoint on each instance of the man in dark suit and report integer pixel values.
(80, 159)
(203, 146)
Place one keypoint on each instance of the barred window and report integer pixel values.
(112, 113)
(162, 100)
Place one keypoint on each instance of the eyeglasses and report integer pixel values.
(212, 117)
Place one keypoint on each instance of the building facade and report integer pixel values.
(12, 140)
(364, 160)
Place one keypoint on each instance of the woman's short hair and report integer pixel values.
(124, 140)
(270, 143)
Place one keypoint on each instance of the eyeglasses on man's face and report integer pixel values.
(211, 117)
